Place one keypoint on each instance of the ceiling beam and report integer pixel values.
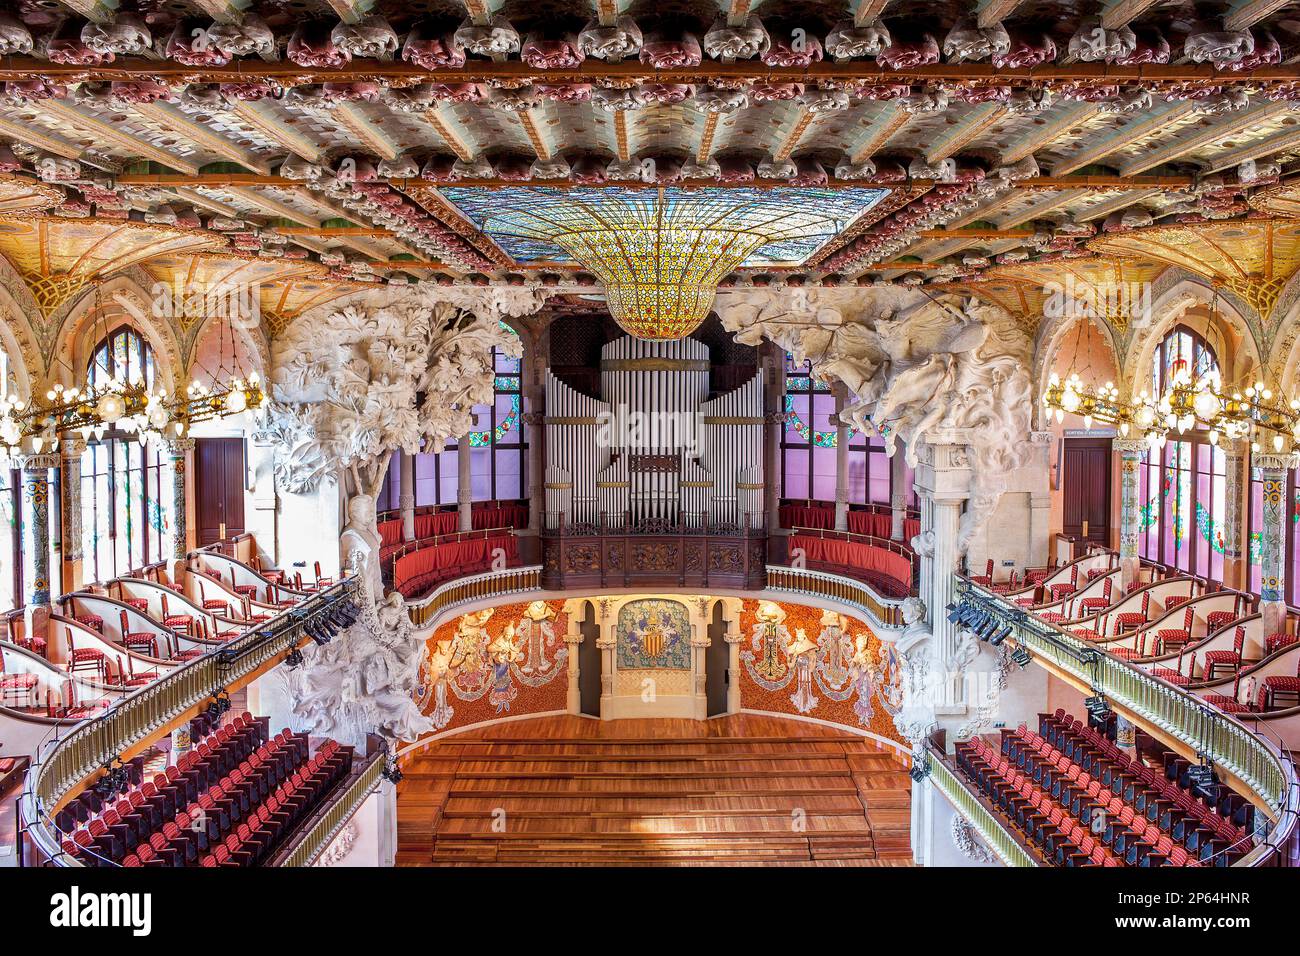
(367, 130)
(133, 144)
(1257, 150)
(705, 149)
(993, 12)
(263, 118)
(888, 121)
(1250, 12)
(438, 123)
(1043, 136)
(868, 10)
(977, 120)
(1126, 135)
(976, 233)
(1230, 125)
(790, 141)
(1123, 12)
(536, 133)
(1123, 201)
(202, 136)
(621, 136)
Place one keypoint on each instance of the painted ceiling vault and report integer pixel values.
(309, 149)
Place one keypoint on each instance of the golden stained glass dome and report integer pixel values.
(662, 252)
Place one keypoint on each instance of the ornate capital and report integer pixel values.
(1275, 462)
(72, 448)
(1133, 447)
(178, 447)
(33, 464)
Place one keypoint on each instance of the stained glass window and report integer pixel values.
(125, 517)
(1183, 486)
(808, 447)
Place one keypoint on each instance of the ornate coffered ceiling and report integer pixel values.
(309, 146)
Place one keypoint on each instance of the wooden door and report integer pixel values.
(717, 660)
(589, 656)
(1087, 488)
(218, 488)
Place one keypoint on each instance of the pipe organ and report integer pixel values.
(654, 453)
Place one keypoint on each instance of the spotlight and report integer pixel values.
(920, 768)
(954, 612)
(1021, 656)
(295, 658)
(1001, 636)
(1097, 707)
(392, 774)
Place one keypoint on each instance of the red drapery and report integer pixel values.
(855, 555)
(451, 559)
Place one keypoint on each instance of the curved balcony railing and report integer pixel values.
(883, 612)
(1006, 845)
(1267, 771)
(477, 587)
(75, 752)
(320, 833)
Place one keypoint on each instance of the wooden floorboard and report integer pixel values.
(736, 791)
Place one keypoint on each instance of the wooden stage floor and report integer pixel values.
(568, 791)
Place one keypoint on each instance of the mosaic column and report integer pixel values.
(72, 450)
(177, 449)
(1272, 597)
(1236, 484)
(406, 494)
(1130, 509)
(464, 493)
(36, 495)
(841, 459)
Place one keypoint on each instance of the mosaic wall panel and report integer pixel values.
(654, 634)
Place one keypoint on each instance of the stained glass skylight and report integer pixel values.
(661, 252)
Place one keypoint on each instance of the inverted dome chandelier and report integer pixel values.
(661, 252)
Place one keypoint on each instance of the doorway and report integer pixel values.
(218, 488)
(1086, 485)
(717, 663)
(589, 663)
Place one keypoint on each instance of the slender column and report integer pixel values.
(262, 521)
(945, 522)
(406, 494)
(573, 641)
(36, 497)
(71, 451)
(774, 405)
(464, 494)
(177, 451)
(897, 497)
(1236, 485)
(1130, 510)
(841, 459)
(734, 639)
(1272, 597)
(606, 641)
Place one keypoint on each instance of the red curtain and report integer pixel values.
(451, 559)
(856, 555)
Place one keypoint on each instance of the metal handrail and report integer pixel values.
(986, 823)
(96, 742)
(312, 843)
(1224, 740)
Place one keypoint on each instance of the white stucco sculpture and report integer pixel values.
(915, 364)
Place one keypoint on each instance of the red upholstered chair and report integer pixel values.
(320, 581)
(85, 658)
(1281, 686)
(1228, 704)
(92, 621)
(140, 604)
(1176, 677)
(142, 642)
(217, 605)
(1228, 659)
(128, 676)
(1171, 637)
(16, 689)
(1139, 648)
(177, 622)
(1132, 620)
(1091, 605)
(1275, 642)
(1217, 620)
(244, 590)
(986, 578)
(1010, 584)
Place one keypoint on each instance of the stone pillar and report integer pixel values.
(1272, 596)
(263, 521)
(606, 642)
(699, 663)
(178, 450)
(573, 641)
(71, 451)
(1130, 509)
(841, 459)
(897, 497)
(1236, 488)
(943, 478)
(464, 494)
(406, 494)
(734, 639)
(774, 416)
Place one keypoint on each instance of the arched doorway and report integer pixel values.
(717, 660)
